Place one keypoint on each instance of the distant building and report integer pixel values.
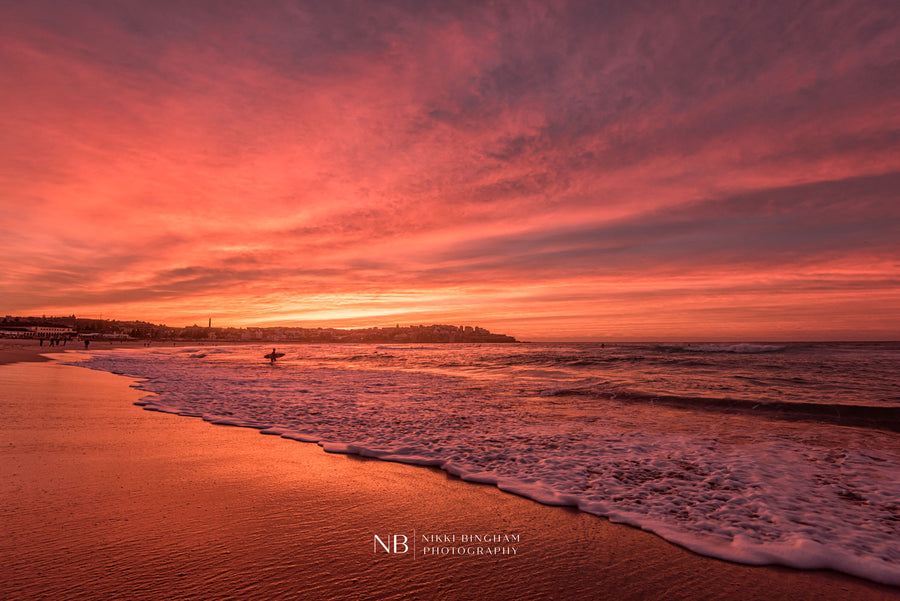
(9, 331)
(252, 334)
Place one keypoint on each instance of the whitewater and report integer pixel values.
(754, 453)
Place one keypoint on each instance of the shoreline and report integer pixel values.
(25, 351)
(104, 499)
(28, 350)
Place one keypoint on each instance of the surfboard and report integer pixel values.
(273, 355)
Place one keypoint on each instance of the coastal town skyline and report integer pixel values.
(69, 327)
(565, 171)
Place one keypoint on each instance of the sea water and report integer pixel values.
(754, 453)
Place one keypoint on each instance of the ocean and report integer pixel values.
(755, 453)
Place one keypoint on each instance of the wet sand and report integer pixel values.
(100, 499)
(26, 350)
(23, 350)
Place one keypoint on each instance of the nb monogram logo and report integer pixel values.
(397, 543)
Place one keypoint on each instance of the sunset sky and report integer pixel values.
(550, 170)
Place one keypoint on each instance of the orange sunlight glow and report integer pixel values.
(550, 172)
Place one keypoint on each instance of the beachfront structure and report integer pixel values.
(45, 332)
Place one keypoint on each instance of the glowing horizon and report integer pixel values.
(547, 170)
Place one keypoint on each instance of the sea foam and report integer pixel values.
(737, 487)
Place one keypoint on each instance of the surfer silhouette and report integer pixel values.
(273, 355)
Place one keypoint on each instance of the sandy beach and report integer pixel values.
(26, 350)
(100, 499)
